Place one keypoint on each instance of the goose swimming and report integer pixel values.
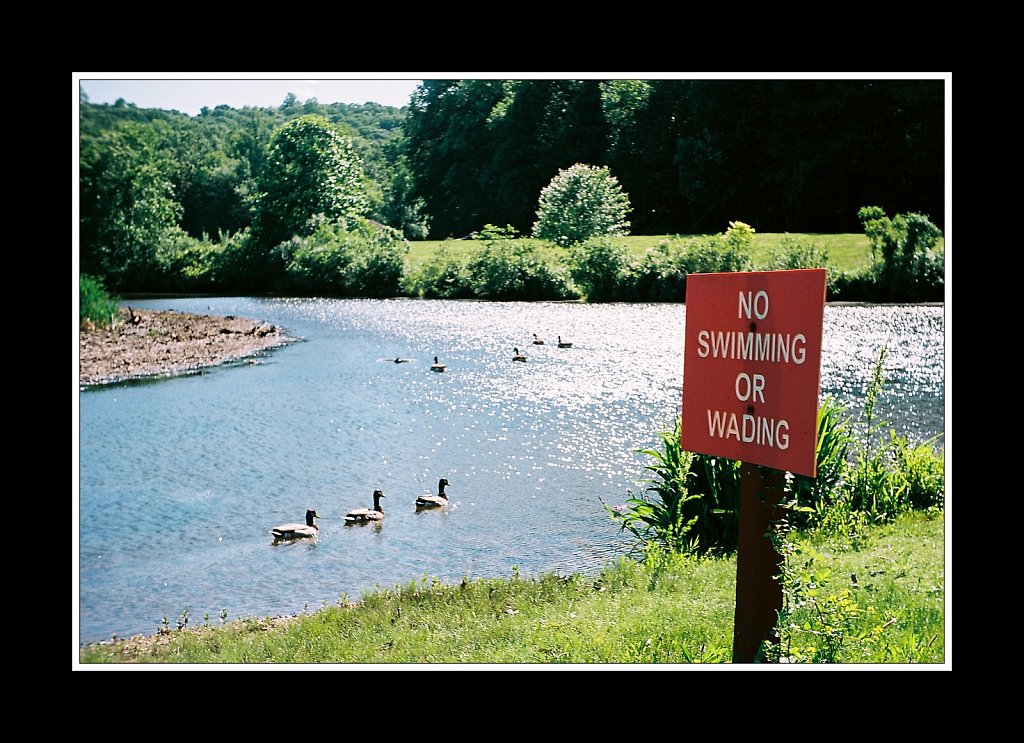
(433, 501)
(297, 531)
(365, 515)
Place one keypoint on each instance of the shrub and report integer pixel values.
(188, 264)
(365, 260)
(715, 254)
(314, 265)
(696, 497)
(240, 265)
(581, 202)
(907, 264)
(690, 505)
(603, 270)
(890, 476)
(739, 236)
(895, 477)
(493, 232)
(96, 308)
(717, 481)
(445, 275)
(851, 287)
(794, 254)
(922, 467)
(661, 274)
(516, 270)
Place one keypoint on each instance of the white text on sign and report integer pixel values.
(751, 346)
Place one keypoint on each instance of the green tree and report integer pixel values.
(540, 126)
(311, 176)
(400, 209)
(128, 203)
(449, 137)
(581, 202)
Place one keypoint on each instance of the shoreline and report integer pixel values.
(146, 344)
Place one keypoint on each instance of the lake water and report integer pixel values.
(179, 480)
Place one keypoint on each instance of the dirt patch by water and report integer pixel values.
(154, 343)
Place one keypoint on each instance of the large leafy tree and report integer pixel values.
(128, 203)
(311, 176)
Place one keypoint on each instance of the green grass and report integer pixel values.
(672, 610)
(849, 253)
(96, 308)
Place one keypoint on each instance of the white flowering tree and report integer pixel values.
(581, 202)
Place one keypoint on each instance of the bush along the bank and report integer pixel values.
(605, 271)
(360, 260)
(907, 264)
(517, 270)
(445, 275)
(96, 308)
(601, 267)
(357, 257)
(496, 266)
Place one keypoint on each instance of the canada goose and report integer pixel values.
(437, 366)
(433, 501)
(564, 344)
(136, 319)
(537, 341)
(364, 515)
(518, 356)
(297, 531)
(400, 360)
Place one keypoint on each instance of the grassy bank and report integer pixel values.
(880, 598)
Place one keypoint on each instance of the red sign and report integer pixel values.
(752, 366)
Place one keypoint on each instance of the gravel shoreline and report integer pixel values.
(155, 343)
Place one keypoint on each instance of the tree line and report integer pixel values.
(227, 199)
(785, 155)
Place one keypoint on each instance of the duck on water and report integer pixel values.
(366, 515)
(297, 531)
(434, 501)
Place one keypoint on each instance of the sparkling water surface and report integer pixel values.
(179, 480)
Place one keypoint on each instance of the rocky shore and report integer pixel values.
(153, 343)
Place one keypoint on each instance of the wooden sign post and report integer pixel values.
(751, 381)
